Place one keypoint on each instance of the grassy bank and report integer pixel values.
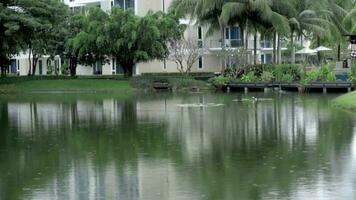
(70, 85)
(347, 101)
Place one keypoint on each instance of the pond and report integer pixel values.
(176, 146)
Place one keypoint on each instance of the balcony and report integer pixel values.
(215, 45)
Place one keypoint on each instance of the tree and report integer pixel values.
(136, 39)
(257, 15)
(185, 53)
(10, 35)
(71, 48)
(90, 45)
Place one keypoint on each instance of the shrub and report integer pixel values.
(65, 69)
(326, 72)
(50, 70)
(287, 78)
(267, 76)
(280, 72)
(249, 77)
(352, 73)
(219, 81)
(331, 77)
(312, 76)
(232, 72)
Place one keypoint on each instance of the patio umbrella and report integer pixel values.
(322, 48)
(306, 51)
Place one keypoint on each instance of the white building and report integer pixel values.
(209, 62)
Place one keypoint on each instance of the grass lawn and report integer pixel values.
(71, 85)
(347, 101)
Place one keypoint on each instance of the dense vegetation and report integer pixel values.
(324, 21)
(47, 27)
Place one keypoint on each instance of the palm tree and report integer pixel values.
(258, 15)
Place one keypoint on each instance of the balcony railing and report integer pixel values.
(216, 44)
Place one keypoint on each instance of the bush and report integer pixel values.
(65, 69)
(312, 76)
(233, 72)
(287, 72)
(352, 73)
(326, 72)
(249, 77)
(267, 76)
(50, 69)
(220, 81)
(331, 77)
(287, 78)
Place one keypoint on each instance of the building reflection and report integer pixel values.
(150, 148)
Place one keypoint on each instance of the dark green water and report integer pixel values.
(148, 148)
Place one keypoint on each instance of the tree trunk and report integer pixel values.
(242, 37)
(255, 48)
(3, 71)
(274, 47)
(73, 66)
(29, 59)
(128, 70)
(246, 47)
(222, 32)
(279, 50)
(34, 64)
(319, 55)
(2, 67)
(338, 52)
(293, 48)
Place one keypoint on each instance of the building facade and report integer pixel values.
(212, 59)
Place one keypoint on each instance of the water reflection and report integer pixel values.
(147, 147)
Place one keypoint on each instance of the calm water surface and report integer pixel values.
(149, 148)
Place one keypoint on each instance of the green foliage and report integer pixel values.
(249, 77)
(331, 77)
(267, 76)
(50, 69)
(287, 72)
(287, 78)
(352, 73)
(220, 81)
(326, 73)
(65, 69)
(312, 76)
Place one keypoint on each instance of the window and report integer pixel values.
(233, 36)
(200, 62)
(200, 37)
(268, 58)
(125, 4)
(265, 42)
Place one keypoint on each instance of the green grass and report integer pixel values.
(72, 85)
(347, 101)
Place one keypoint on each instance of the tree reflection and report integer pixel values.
(148, 148)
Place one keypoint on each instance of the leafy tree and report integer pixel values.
(42, 36)
(87, 40)
(71, 52)
(10, 39)
(136, 39)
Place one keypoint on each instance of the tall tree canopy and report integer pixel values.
(128, 38)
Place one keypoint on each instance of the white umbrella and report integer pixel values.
(306, 50)
(322, 48)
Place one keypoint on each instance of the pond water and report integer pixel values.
(166, 146)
